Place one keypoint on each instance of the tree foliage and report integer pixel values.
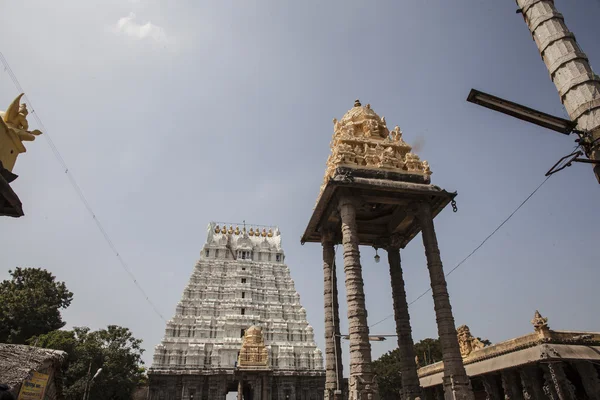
(429, 351)
(387, 367)
(387, 373)
(114, 349)
(30, 304)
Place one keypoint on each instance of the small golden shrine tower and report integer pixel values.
(254, 353)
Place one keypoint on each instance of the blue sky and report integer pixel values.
(173, 114)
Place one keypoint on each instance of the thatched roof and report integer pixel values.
(17, 361)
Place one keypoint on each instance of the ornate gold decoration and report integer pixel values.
(264, 233)
(254, 353)
(270, 234)
(361, 139)
(540, 324)
(230, 231)
(224, 229)
(466, 341)
(251, 233)
(237, 230)
(217, 229)
(15, 117)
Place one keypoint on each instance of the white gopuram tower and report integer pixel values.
(240, 281)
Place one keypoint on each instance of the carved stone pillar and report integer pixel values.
(333, 352)
(240, 393)
(492, 389)
(532, 382)
(411, 387)
(589, 378)
(439, 392)
(511, 385)
(562, 387)
(361, 378)
(264, 388)
(456, 382)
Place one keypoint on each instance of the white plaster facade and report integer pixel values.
(224, 296)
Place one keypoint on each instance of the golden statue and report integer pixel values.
(16, 119)
(14, 130)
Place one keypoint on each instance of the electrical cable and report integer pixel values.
(475, 250)
(76, 186)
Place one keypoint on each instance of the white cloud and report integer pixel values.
(128, 26)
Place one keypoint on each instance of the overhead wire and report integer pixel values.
(488, 237)
(76, 186)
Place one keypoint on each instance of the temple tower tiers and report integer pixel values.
(240, 281)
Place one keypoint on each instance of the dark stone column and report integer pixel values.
(557, 381)
(240, 393)
(411, 387)
(493, 390)
(589, 378)
(333, 353)
(511, 385)
(361, 378)
(533, 383)
(456, 382)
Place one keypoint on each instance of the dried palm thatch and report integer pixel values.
(18, 361)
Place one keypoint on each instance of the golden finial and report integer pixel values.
(224, 229)
(357, 103)
(230, 231)
(217, 229)
(264, 232)
(270, 234)
(237, 230)
(251, 233)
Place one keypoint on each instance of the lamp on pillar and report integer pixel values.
(377, 258)
(372, 192)
(577, 85)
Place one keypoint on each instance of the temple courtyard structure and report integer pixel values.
(239, 326)
(542, 365)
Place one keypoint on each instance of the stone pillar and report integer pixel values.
(570, 71)
(240, 393)
(456, 382)
(361, 378)
(490, 383)
(411, 387)
(439, 392)
(589, 378)
(511, 385)
(264, 388)
(532, 383)
(562, 387)
(333, 351)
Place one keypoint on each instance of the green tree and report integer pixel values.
(387, 367)
(428, 351)
(114, 349)
(30, 304)
(387, 374)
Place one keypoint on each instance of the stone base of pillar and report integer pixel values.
(361, 389)
(412, 394)
(457, 389)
